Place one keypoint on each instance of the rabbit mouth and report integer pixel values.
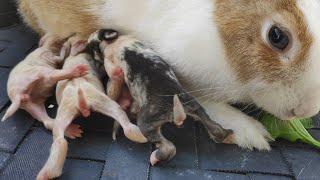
(306, 111)
(287, 115)
(297, 113)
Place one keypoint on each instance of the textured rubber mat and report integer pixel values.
(75, 169)
(29, 157)
(13, 130)
(191, 174)
(16, 42)
(93, 145)
(8, 13)
(127, 160)
(4, 74)
(185, 141)
(305, 162)
(224, 157)
(4, 157)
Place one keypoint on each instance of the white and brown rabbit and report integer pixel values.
(260, 52)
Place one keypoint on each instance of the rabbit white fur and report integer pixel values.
(221, 45)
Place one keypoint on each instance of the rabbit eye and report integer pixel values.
(278, 38)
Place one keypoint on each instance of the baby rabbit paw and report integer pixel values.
(80, 70)
(133, 133)
(74, 131)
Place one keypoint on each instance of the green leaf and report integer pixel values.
(307, 123)
(290, 130)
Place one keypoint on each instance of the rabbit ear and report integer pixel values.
(78, 47)
(42, 40)
(65, 50)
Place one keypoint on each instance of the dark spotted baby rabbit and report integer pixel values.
(157, 95)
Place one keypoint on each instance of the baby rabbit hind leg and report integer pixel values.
(216, 131)
(21, 95)
(165, 150)
(103, 104)
(114, 89)
(38, 111)
(58, 153)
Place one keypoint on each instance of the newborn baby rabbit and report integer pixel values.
(32, 81)
(78, 97)
(157, 95)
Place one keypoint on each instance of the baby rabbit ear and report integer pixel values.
(42, 40)
(65, 50)
(179, 114)
(108, 34)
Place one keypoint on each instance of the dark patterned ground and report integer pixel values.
(25, 144)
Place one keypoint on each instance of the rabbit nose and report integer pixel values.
(290, 115)
(304, 111)
(298, 112)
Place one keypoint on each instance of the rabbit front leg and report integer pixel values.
(248, 132)
(62, 74)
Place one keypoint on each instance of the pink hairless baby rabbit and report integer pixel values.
(32, 81)
(80, 96)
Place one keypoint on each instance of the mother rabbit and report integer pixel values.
(262, 52)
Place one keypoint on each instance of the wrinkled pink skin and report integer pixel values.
(117, 91)
(77, 97)
(32, 81)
